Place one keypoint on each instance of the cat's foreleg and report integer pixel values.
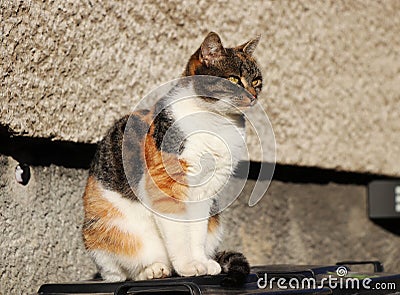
(185, 242)
(198, 235)
(177, 242)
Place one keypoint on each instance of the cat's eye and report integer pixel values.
(256, 83)
(233, 79)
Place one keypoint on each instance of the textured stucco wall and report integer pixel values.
(331, 69)
(332, 73)
(294, 223)
(40, 225)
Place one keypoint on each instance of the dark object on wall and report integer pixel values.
(378, 266)
(273, 279)
(22, 174)
(384, 204)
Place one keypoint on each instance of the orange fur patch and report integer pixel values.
(166, 178)
(213, 223)
(98, 233)
(193, 65)
(111, 239)
(95, 205)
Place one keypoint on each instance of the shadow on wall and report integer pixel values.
(44, 152)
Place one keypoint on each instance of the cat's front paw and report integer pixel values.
(213, 267)
(156, 270)
(193, 268)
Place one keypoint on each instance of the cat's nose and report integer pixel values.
(252, 95)
(253, 92)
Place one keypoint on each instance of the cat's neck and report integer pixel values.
(182, 104)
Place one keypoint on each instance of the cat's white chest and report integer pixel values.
(212, 150)
(211, 159)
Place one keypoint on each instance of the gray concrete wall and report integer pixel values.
(331, 69)
(294, 223)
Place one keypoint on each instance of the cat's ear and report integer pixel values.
(249, 46)
(211, 49)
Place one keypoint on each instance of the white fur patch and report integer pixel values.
(213, 145)
(138, 221)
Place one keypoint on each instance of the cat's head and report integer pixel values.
(234, 64)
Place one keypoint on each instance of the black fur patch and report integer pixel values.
(214, 209)
(107, 165)
(235, 265)
(167, 135)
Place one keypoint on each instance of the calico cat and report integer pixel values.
(128, 240)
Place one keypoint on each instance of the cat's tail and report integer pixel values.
(235, 265)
